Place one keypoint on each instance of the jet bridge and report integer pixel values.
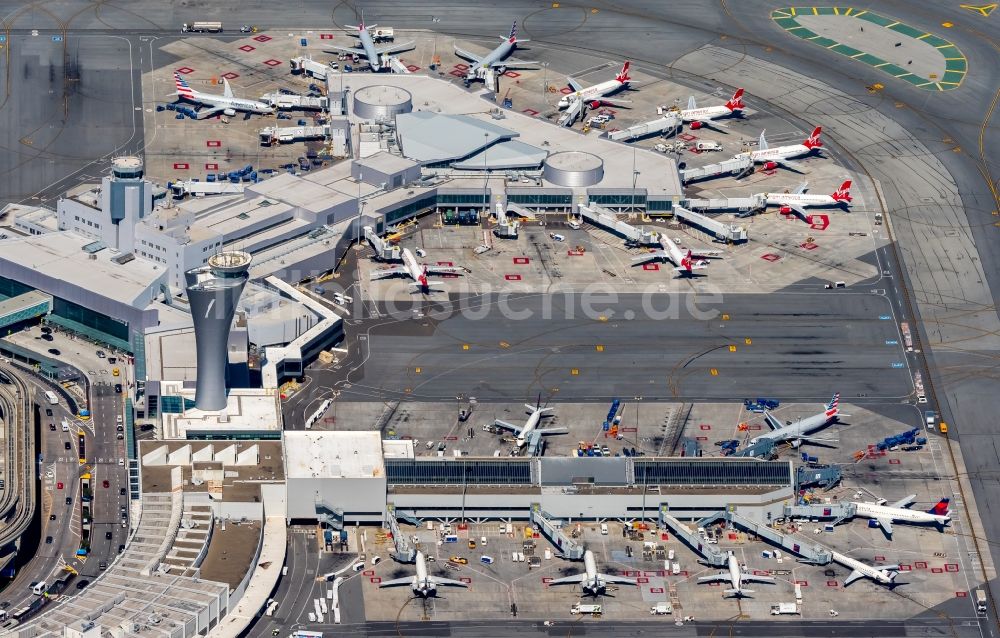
(726, 232)
(286, 102)
(605, 218)
(761, 448)
(744, 206)
(383, 250)
(814, 554)
(286, 134)
(737, 167)
(571, 550)
(669, 122)
(403, 553)
(710, 555)
(573, 112)
(836, 513)
(396, 66)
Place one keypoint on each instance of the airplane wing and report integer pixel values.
(383, 273)
(717, 578)
(573, 84)
(578, 578)
(514, 63)
(772, 422)
(705, 253)
(801, 188)
(885, 524)
(654, 254)
(399, 582)
(350, 50)
(462, 53)
(798, 210)
(614, 101)
(507, 426)
(751, 578)
(202, 114)
(855, 575)
(430, 283)
(788, 164)
(438, 580)
(444, 270)
(904, 502)
(553, 431)
(395, 48)
(617, 580)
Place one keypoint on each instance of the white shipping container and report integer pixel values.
(676, 569)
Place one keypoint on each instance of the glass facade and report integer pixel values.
(660, 204)
(173, 405)
(458, 472)
(467, 199)
(10, 288)
(700, 472)
(541, 199)
(618, 199)
(424, 203)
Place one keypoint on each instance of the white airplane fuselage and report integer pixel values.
(592, 93)
(779, 153)
(704, 114)
(422, 585)
(804, 200)
(798, 429)
(496, 55)
(529, 427)
(735, 574)
(881, 576)
(593, 583)
(906, 515)
(368, 44)
(229, 103)
(413, 268)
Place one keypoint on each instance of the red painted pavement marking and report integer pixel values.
(714, 584)
(272, 62)
(704, 426)
(375, 580)
(809, 245)
(445, 263)
(753, 427)
(651, 266)
(325, 36)
(631, 574)
(512, 277)
(246, 48)
(574, 253)
(879, 558)
(412, 68)
(184, 70)
(230, 75)
(465, 579)
(936, 570)
(213, 143)
(701, 438)
(951, 567)
(531, 112)
(462, 67)
(832, 583)
(819, 222)
(457, 73)
(521, 260)
(904, 568)
(771, 257)
(804, 583)
(263, 38)
(920, 564)
(370, 572)
(961, 594)
(893, 461)
(512, 74)
(451, 438)
(656, 590)
(546, 579)
(211, 167)
(687, 137)
(629, 429)
(180, 166)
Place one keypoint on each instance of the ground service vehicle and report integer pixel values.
(202, 27)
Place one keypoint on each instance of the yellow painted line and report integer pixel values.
(815, 11)
(944, 46)
(725, 317)
(950, 83)
(732, 348)
(878, 66)
(858, 15)
(889, 26)
(599, 348)
(748, 341)
(465, 346)
(923, 36)
(714, 372)
(574, 371)
(858, 55)
(416, 370)
(848, 12)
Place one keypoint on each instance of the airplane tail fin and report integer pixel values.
(941, 509)
(183, 88)
(762, 142)
(735, 103)
(692, 105)
(833, 407)
(227, 91)
(813, 140)
(512, 38)
(623, 75)
(843, 194)
(738, 592)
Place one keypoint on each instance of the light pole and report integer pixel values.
(545, 82)
(486, 180)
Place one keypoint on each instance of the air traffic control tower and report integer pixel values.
(213, 291)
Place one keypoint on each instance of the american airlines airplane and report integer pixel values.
(422, 583)
(226, 103)
(417, 272)
(798, 200)
(736, 576)
(886, 514)
(798, 432)
(772, 158)
(598, 94)
(883, 575)
(684, 263)
(699, 117)
(593, 582)
(535, 415)
(369, 50)
(496, 61)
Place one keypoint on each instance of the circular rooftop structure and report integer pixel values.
(573, 169)
(230, 262)
(382, 102)
(127, 167)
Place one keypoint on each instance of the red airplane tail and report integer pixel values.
(813, 140)
(941, 509)
(735, 103)
(687, 262)
(843, 194)
(623, 76)
(183, 88)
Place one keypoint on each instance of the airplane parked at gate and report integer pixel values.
(593, 582)
(423, 584)
(227, 103)
(416, 271)
(376, 55)
(699, 117)
(883, 575)
(885, 514)
(736, 576)
(599, 93)
(798, 432)
(496, 62)
(772, 158)
(535, 414)
(798, 200)
(684, 262)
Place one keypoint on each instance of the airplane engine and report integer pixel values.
(501, 70)
(770, 166)
(785, 210)
(596, 104)
(229, 112)
(696, 125)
